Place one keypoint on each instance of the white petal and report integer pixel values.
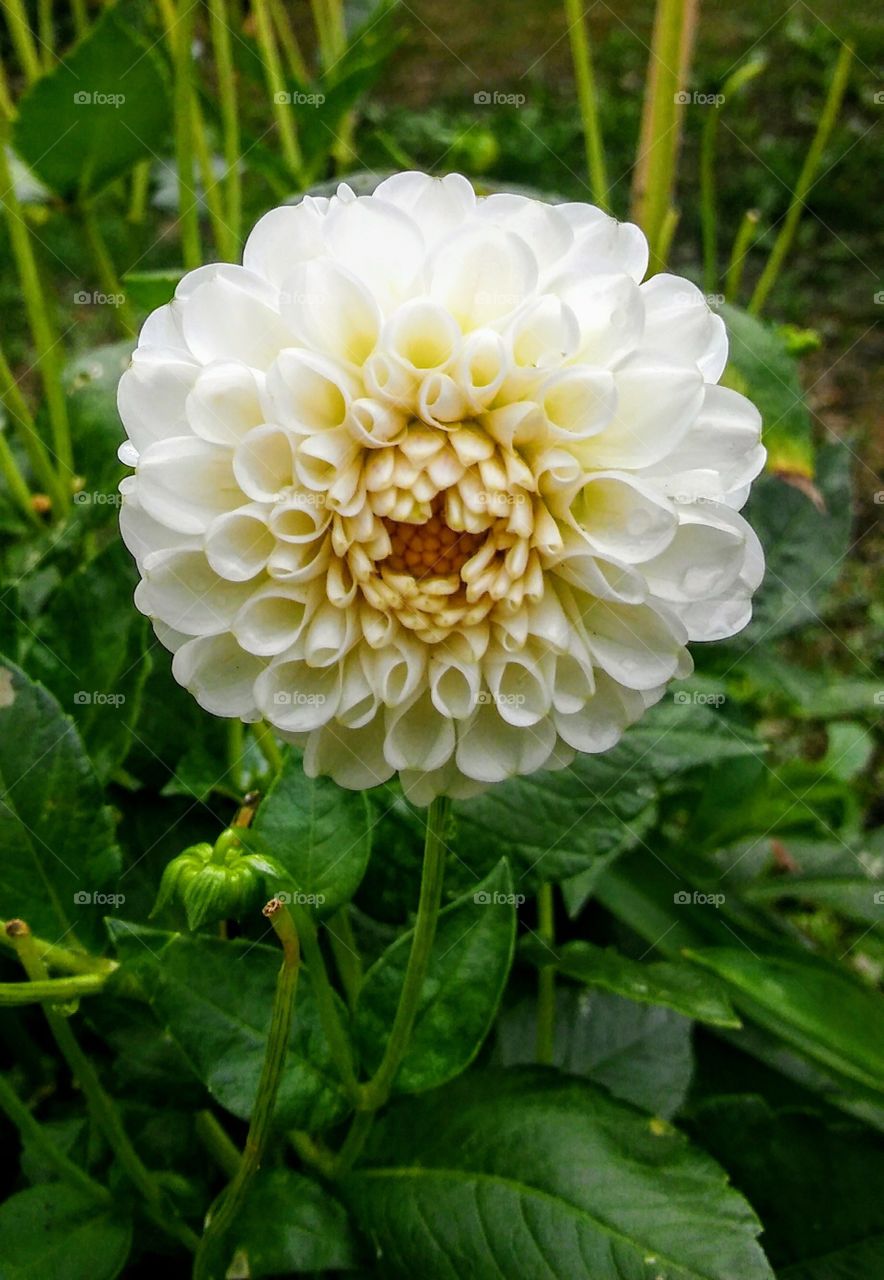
(490, 750)
(680, 324)
(297, 698)
(382, 246)
(308, 392)
(657, 401)
(719, 454)
(329, 309)
(542, 226)
(264, 463)
(632, 643)
(272, 618)
(239, 544)
(482, 274)
(610, 313)
(225, 403)
(624, 518)
(185, 483)
(182, 590)
(602, 245)
(354, 758)
(284, 237)
(437, 205)
(220, 675)
(418, 737)
(152, 395)
(234, 316)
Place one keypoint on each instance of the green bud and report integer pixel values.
(219, 882)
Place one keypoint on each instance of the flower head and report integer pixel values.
(435, 485)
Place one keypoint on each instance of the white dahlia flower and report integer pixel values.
(435, 485)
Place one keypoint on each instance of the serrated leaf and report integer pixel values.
(59, 857)
(97, 112)
(528, 1175)
(215, 998)
(55, 1232)
(469, 965)
(90, 650)
(318, 832)
(555, 825)
(640, 1053)
(677, 986)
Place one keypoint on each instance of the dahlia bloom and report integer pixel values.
(435, 485)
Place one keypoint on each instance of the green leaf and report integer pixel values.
(640, 1053)
(55, 1232)
(677, 986)
(470, 961)
(804, 547)
(762, 367)
(527, 1175)
(104, 106)
(816, 1226)
(812, 1006)
(555, 825)
(318, 832)
(90, 383)
(148, 290)
(59, 859)
(214, 998)
(90, 651)
(289, 1223)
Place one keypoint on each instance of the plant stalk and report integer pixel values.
(546, 979)
(30, 1129)
(587, 97)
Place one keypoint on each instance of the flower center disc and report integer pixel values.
(431, 549)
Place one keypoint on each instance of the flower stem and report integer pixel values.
(806, 179)
(325, 998)
(18, 488)
(218, 1142)
(22, 39)
(209, 1263)
(139, 193)
(346, 954)
(45, 342)
(742, 243)
(287, 38)
(377, 1090)
(52, 990)
(211, 189)
(101, 1106)
(285, 120)
(229, 119)
(104, 265)
(20, 1115)
(268, 745)
(21, 416)
(181, 39)
(546, 978)
(588, 100)
(56, 957)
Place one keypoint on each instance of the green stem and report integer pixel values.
(546, 978)
(218, 1142)
(377, 1090)
(104, 266)
(742, 242)
(354, 1143)
(588, 100)
(140, 192)
(324, 995)
(22, 39)
(276, 86)
(209, 1263)
(56, 957)
(658, 148)
(290, 47)
(181, 39)
(81, 17)
(21, 417)
(19, 490)
(806, 179)
(708, 220)
(226, 246)
(46, 31)
(229, 119)
(52, 990)
(346, 954)
(45, 342)
(101, 1106)
(34, 1133)
(266, 741)
(235, 751)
